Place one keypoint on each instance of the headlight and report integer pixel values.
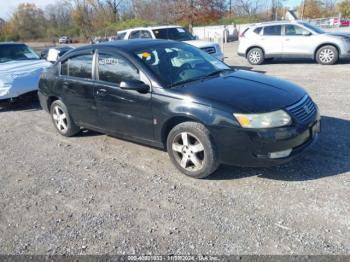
(345, 39)
(264, 120)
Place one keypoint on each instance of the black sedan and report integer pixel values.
(174, 96)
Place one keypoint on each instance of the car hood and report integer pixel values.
(199, 43)
(340, 34)
(19, 77)
(244, 91)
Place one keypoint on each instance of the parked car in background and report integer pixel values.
(20, 69)
(176, 33)
(174, 96)
(65, 40)
(61, 51)
(292, 39)
(340, 22)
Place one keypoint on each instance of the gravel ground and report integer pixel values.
(94, 194)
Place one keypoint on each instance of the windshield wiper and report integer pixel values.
(217, 72)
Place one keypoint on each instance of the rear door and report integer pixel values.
(78, 87)
(298, 42)
(126, 112)
(271, 40)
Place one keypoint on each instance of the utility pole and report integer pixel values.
(303, 10)
(230, 8)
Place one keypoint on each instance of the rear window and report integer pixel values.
(273, 30)
(257, 30)
(120, 36)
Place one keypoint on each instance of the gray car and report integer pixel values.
(292, 39)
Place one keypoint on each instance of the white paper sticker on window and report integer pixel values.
(181, 30)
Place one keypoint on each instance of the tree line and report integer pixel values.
(87, 18)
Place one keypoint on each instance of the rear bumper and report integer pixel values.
(253, 148)
(43, 99)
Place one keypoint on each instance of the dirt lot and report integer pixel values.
(95, 194)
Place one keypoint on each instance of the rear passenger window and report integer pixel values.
(257, 30)
(272, 30)
(115, 69)
(134, 35)
(79, 66)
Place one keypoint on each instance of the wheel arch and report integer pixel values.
(325, 44)
(174, 121)
(50, 100)
(255, 46)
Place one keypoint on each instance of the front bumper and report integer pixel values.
(253, 148)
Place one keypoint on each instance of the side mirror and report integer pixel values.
(135, 85)
(307, 33)
(52, 55)
(196, 37)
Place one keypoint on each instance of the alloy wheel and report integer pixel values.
(255, 57)
(326, 56)
(60, 119)
(188, 151)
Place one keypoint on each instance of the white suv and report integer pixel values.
(294, 39)
(177, 33)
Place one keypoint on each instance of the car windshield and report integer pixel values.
(313, 28)
(178, 64)
(174, 33)
(15, 52)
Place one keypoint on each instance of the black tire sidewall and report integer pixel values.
(201, 133)
(72, 128)
(336, 55)
(261, 55)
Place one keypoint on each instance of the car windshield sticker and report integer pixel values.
(181, 30)
(108, 61)
(146, 55)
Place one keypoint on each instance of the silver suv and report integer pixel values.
(292, 39)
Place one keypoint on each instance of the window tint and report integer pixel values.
(79, 66)
(257, 30)
(177, 33)
(145, 34)
(120, 36)
(115, 69)
(64, 68)
(134, 35)
(272, 30)
(295, 30)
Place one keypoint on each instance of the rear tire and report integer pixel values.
(62, 120)
(191, 150)
(327, 55)
(255, 56)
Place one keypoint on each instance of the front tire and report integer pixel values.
(327, 55)
(255, 56)
(191, 150)
(61, 119)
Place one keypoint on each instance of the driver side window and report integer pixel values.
(115, 69)
(292, 30)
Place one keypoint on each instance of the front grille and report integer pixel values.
(209, 50)
(304, 110)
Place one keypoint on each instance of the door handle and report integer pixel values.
(101, 92)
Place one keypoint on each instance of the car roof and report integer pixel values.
(129, 45)
(283, 22)
(11, 43)
(149, 28)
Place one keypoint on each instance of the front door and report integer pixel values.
(125, 112)
(298, 42)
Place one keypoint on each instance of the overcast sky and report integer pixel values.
(7, 6)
